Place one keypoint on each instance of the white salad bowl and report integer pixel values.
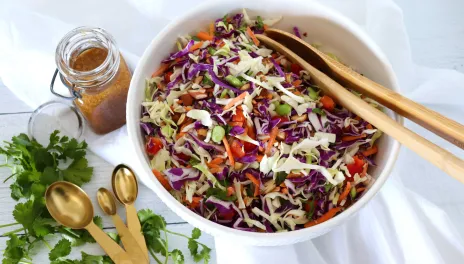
(333, 31)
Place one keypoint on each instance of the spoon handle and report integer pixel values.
(128, 240)
(114, 251)
(425, 117)
(133, 224)
(436, 155)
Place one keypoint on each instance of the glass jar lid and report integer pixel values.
(53, 116)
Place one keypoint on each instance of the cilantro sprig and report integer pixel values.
(34, 167)
(155, 233)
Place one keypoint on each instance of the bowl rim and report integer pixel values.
(216, 229)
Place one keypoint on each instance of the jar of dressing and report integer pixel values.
(92, 68)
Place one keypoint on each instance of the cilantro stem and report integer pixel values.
(166, 245)
(12, 224)
(46, 244)
(182, 235)
(154, 255)
(9, 177)
(13, 232)
(24, 262)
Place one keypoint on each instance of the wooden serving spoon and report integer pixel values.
(424, 148)
(429, 119)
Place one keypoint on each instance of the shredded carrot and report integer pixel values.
(252, 36)
(186, 123)
(196, 46)
(195, 202)
(271, 141)
(161, 70)
(296, 83)
(345, 192)
(331, 213)
(276, 189)
(211, 29)
(284, 190)
(294, 175)
(297, 92)
(358, 118)
(351, 138)
(240, 124)
(217, 161)
(370, 151)
(360, 189)
(265, 27)
(229, 153)
(369, 126)
(216, 170)
(259, 158)
(181, 134)
(255, 182)
(188, 108)
(230, 191)
(213, 165)
(204, 36)
(235, 100)
(162, 179)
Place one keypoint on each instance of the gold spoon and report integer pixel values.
(436, 155)
(429, 119)
(126, 189)
(70, 206)
(108, 205)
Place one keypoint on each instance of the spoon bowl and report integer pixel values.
(106, 201)
(69, 205)
(124, 184)
(126, 188)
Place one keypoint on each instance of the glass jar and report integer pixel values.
(97, 76)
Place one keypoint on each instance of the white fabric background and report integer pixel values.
(397, 226)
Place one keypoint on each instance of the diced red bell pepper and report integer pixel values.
(356, 166)
(236, 148)
(154, 144)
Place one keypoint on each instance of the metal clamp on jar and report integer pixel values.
(92, 68)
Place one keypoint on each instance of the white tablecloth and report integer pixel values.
(397, 226)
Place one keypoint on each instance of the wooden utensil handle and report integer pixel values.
(441, 158)
(133, 224)
(114, 251)
(436, 155)
(429, 119)
(128, 240)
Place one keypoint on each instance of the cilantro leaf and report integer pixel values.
(23, 213)
(220, 194)
(61, 249)
(42, 227)
(16, 193)
(177, 256)
(259, 22)
(280, 178)
(98, 220)
(49, 176)
(114, 236)
(14, 251)
(93, 259)
(203, 255)
(196, 233)
(78, 172)
(193, 247)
